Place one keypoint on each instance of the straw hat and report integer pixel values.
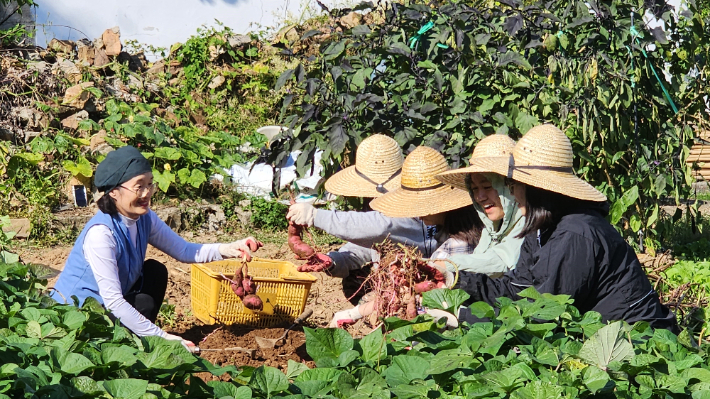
(378, 163)
(421, 194)
(543, 158)
(493, 154)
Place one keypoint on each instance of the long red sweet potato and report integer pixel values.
(295, 242)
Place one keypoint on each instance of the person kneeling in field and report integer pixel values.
(436, 204)
(108, 259)
(569, 247)
(378, 164)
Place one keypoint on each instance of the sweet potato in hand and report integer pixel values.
(316, 263)
(295, 242)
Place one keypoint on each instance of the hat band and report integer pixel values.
(378, 186)
(562, 169)
(423, 188)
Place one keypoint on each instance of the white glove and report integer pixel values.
(240, 249)
(440, 266)
(302, 214)
(189, 345)
(345, 317)
(451, 320)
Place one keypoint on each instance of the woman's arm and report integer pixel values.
(565, 265)
(168, 241)
(367, 228)
(350, 257)
(100, 252)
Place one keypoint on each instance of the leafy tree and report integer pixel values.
(447, 74)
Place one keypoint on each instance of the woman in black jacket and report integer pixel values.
(569, 247)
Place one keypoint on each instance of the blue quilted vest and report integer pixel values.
(77, 278)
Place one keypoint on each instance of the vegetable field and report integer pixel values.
(536, 347)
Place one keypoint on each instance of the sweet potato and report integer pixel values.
(295, 242)
(316, 263)
(247, 283)
(237, 283)
(411, 301)
(424, 286)
(253, 302)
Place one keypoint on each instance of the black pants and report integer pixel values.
(148, 292)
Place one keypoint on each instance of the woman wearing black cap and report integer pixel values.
(108, 259)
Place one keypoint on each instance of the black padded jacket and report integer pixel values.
(585, 257)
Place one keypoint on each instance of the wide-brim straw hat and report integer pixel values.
(378, 164)
(493, 154)
(543, 159)
(420, 193)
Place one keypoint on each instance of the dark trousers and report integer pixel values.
(148, 292)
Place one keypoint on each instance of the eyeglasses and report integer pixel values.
(141, 191)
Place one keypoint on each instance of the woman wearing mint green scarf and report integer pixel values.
(498, 248)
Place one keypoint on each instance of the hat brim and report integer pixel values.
(559, 182)
(457, 177)
(348, 183)
(403, 203)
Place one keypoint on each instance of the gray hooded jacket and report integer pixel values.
(362, 230)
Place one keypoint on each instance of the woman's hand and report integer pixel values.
(189, 345)
(443, 278)
(240, 249)
(302, 214)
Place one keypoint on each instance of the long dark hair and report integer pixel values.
(464, 224)
(544, 209)
(107, 204)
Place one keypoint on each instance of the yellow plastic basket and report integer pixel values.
(281, 287)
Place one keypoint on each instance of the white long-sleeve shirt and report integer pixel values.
(100, 252)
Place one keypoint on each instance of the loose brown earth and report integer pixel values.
(326, 298)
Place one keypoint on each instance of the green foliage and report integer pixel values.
(5, 239)
(446, 75)
(532, 349)
(52, 350)
(268, 214)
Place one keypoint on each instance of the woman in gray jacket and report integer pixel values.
(378, 164)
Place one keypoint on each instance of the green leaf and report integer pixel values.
(595, 378)
(283, 78)
(163, 179)
(525, 122)
(169, 153)
(449, 360)
(81, 167)
(268, 380)
(294, 369)
(68, 362)
(481, 310)
(128, 388)
(404, 369)
(622, 204)
(361, 30)
(538, 390)
(399, 48)
(374, 347)
(325, 345)
(607, 345)
(225, 389)
(515, 58)
(445, 299)
(334, 50)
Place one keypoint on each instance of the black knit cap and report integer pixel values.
(119, 166)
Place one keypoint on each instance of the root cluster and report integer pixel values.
(396, 284)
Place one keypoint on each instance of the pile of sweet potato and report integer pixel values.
(245, 288)
(397, 282)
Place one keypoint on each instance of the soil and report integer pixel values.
(326, 297)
